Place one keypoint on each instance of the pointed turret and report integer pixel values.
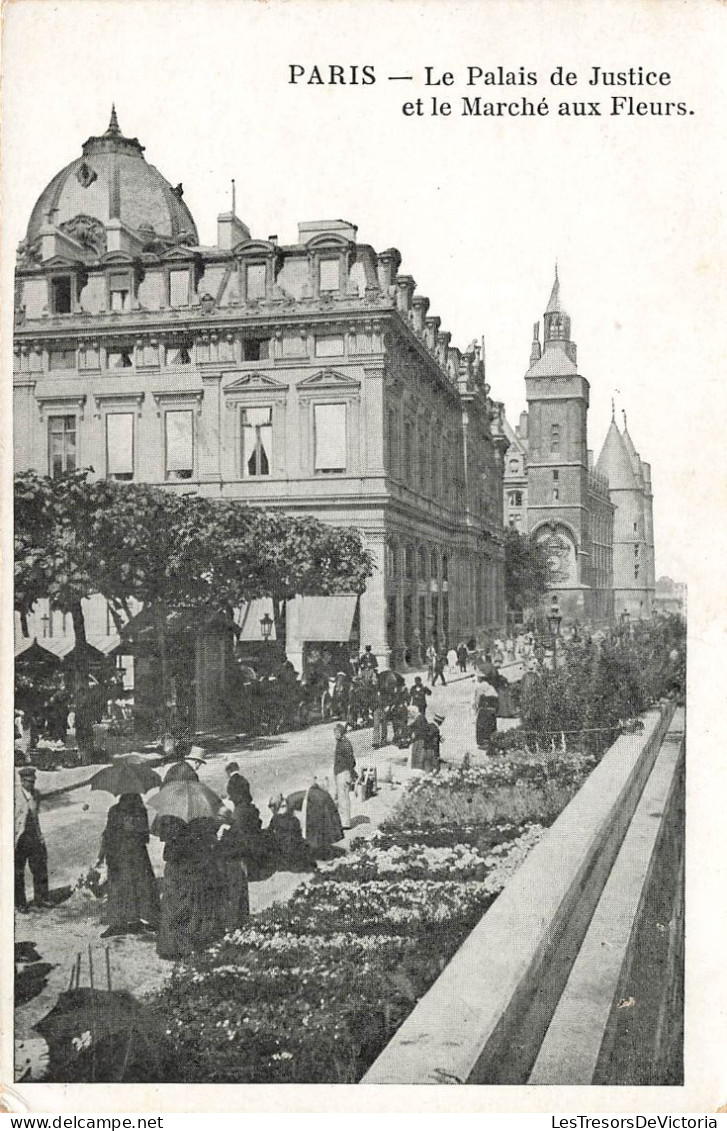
(633, 454)
(554, 301)
(113, 126)
(615, 462)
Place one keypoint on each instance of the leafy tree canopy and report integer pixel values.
(526, 570)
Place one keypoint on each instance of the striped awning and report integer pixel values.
(327, 618)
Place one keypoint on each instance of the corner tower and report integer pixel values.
(557, 397)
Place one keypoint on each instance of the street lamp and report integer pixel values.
(266, 626)
(554, 620)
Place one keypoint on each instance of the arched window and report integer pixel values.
(514, 466)
(555, 437)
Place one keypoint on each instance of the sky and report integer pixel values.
(480, 207)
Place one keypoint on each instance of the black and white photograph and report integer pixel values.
(364, 509)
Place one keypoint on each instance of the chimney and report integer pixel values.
(405, 287)
(420, 306)
(522, 428)
(231, 231)
(432, 324)
(388, 262)
(535, 353)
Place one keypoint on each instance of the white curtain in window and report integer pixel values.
(256, 280)
(179, 288)
(179, 441)
(257, 436)
(330, 437)
(120, 443)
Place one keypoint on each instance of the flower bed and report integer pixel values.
(313, 991)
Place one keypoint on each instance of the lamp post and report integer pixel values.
(554, 620)
(266, 626)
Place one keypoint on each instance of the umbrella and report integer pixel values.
(101, 1035)
(180, 771)
(186, 800)
(129, 774)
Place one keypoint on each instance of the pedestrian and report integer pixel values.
(234, 776)
(462, 657)
(452, 660)
(368, 660)
(133, 898)
(431, 656)
(322, 826)
(344, 767)
(440, 661)
(399, 713)
(432, 742)
(418, 731)
(30, 846)
(193, 887)
(418, 695)
(289, 851)
(485, 707)
(380, 735)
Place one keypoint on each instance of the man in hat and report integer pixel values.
(235, 778)
(368, 660)
(30, 846)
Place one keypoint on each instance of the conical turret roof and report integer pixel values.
(615, 462)
(633, 454)
(554, 303)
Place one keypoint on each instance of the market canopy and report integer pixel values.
(327, 619)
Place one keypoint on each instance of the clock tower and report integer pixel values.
(558, 471)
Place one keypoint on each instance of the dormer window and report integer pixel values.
(120, 293)
(61, 290)
(329, 274)
(256, 280)
(179, 288)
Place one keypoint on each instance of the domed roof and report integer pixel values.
(112, 180)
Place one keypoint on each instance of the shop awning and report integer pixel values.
(248, 617)
(105, 644)
(327, 618)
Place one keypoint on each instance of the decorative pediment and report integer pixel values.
(120, 258)
(179, 252)
(327, 378)
(62, 263)
(254, 381)
(328, 240)
(254, 249)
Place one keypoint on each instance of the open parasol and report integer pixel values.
(129, 774)
(180, 771)
(185, 800)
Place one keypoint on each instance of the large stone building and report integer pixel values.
(596, 522)
(309, 377)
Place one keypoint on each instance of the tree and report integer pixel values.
(526, 570)
(55, 558)
(168, 552)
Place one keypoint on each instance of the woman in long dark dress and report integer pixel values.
(486, 701)
(192, 890)
(242, 853)
(133, 899)
(289, 851)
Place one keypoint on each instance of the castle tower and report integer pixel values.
(557, 490)
(633, 548)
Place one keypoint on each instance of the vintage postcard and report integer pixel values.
(362, 470)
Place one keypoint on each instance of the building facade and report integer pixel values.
(309, 377)
(594, 520)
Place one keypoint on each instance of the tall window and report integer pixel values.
(61, 444)
(179, 353)
(179, 443)
(255, 349)
(516, 498)
(120, 293)
(179, 288)
(514, 466)
(62, 359)
(257, 441)
(60, 294)
(330, 437)
(119, 359)
(255, 276)
(120, 445)
(329, 274)
(555, 437)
